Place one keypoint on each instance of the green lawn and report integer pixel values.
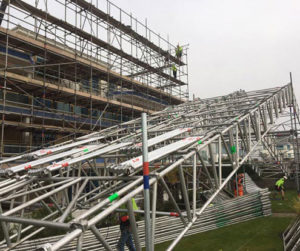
(260, 234)
(284, 206)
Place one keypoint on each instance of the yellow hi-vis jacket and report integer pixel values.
(134, 205)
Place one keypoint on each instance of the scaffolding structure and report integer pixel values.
(71, 67)
(203, 143)
(291, 236)
(268, 162)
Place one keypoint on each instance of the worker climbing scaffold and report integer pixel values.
(174, 69)
(178, 51)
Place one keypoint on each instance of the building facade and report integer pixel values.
(69, 72)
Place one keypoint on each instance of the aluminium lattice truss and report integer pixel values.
(196, 140)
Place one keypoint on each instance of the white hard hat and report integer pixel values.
(285, 177)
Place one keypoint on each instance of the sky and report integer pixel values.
(233, 44)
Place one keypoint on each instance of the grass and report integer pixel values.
(286, 205)
(261, 234)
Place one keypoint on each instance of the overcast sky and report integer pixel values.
(234, 44)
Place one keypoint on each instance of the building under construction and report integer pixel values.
(71, 67)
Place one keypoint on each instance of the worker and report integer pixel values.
(126, 236)
(174, 69)
(178, 51)
(240, 185)
(279, 186)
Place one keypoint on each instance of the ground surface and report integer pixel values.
(284, 206)
(262, 234)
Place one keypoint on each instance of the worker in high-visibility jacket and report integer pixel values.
(174, 69)
(178, 51)
(239, 187)
(279, 186)
(126, 236)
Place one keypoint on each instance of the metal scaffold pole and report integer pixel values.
(146, 183)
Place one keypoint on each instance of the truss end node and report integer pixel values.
(38, 172)
(45, 247)
(31, 156)
(81, 224)
(6, 173)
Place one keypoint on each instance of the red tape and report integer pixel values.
(146, 168)
(65, 164)
(27, 167)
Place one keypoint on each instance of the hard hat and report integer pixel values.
(285, 177)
